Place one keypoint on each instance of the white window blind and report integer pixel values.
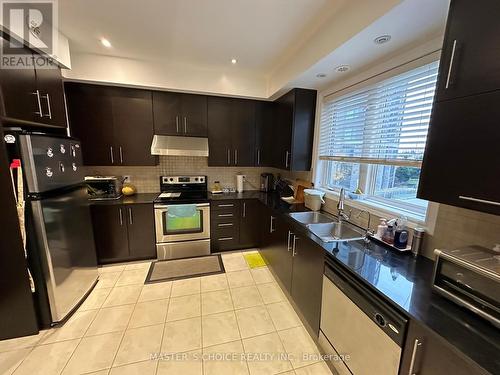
(386, 123)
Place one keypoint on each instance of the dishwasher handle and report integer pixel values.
(380, 312)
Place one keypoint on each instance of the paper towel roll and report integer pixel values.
(239, 182)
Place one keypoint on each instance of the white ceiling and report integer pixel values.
(196, 32)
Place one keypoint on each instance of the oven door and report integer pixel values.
(173, 227)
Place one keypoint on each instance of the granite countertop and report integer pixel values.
(132, 199)
(404, 282)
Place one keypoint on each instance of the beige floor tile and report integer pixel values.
(254, 321)
(21, 342)
(182, 335)
(239, 278)
(234, 262)
(283, 315)
(219, 328)
(95, 299)
(182, 363)
(140, 368)
(154, 291)
(111, 319)
(138, 266)
(184, 307)
(214, 282)
(123, 295)
(47, 359)
(300, 347)
(266, 354)
(320, 368)
(132, 277)
(9, 361)
(138, 344)
(94, 353)
(149, 313)
(247, 296)
(185, 287)
(112, 268)
(215, 302)
(262, 275)
(225, 359)
(102, 372)
(107, 280)
(271, 293)
(74, 328)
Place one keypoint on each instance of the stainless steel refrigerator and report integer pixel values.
(59, 238)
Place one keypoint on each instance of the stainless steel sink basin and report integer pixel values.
(312, 217)
(336, 232)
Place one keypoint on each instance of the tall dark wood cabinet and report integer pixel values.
(123, 232)
(461, 165)
(180, 114)
(264, 134)
(425, 353)
(32, 96)
(294, 130)
(231, 132)
(249, 223)
(114, 124)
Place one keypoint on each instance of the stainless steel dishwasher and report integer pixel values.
(362, 333)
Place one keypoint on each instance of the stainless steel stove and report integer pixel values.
(182, 217)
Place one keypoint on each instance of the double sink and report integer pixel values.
(328, 228)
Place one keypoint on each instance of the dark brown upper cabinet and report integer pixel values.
(461, 165)
(231, 132)
(180, 114)
(32, 96)
(114, 124)
(294, 130)
(264, 142)
(471, 50)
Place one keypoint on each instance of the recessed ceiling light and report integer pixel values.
(382, 39)
(106, 43)
(234, 61)
(320, 75)
(342, 68)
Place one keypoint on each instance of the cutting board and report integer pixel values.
(299, 186)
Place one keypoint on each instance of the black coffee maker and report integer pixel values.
(266, 182)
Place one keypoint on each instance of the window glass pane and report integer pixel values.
(342, 175)
(397, 183)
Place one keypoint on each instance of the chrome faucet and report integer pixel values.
(368, 231)
(340, 207)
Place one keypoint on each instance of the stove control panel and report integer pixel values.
(174, 180)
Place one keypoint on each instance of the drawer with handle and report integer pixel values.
(225, 241)
(225, 205)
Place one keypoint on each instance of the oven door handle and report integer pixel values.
(163, 206)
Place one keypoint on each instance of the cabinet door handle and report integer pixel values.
(450, 68)
(39, 102)
(130, 216)
(235, 157)
(244, 209)
(479, 200)
(289, 239)
(226, 205)
(228, 156)
(225, 215)
(111, 153)
(271, 228)
(286, 159)
(258, 156)
(225, 239)
(121, 155)
(185, 125)
(294, 245)
(416, 345)
(120, 214)
(49, 114)
(225, 225)
(177, 124)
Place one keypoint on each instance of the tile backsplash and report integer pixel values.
(147, 179)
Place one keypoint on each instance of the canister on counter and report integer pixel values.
(417, 241)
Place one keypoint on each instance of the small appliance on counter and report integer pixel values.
(104, 187)
(313, 199)
(266, 182)
(470, 277)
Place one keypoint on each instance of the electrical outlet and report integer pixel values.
(126, 179)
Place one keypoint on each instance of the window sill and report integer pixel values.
(380, 210)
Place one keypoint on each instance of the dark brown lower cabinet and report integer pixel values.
(123, 232)
(425, 353)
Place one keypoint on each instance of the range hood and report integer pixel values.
(179, 146)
